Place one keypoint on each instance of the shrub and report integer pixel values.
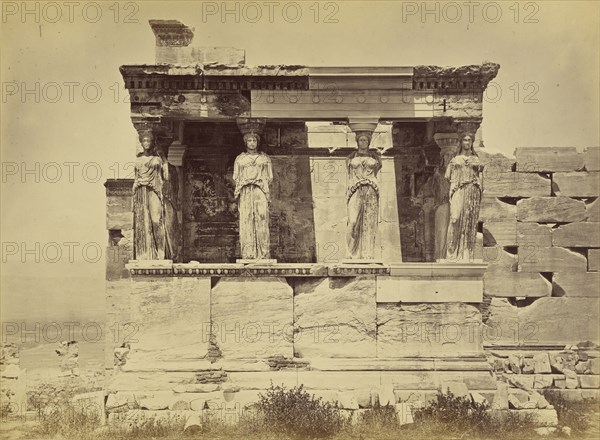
(454, 414)
(295, 412)
(379, 417)
(574, 414)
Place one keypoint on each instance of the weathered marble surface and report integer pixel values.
(335, 317)
(509, 184)
(550, 259)
(427, 329)
(580, 234)
(549, 159)
(576, 284)
(169, 319)
(252, 318)
(551, 209)
(576, 184)
(572, 320)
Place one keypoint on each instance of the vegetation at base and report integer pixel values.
(297, 413)
(574, 415)
(293, 414)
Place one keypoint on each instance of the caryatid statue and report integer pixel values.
(155, 223)
(466, 188)
(252, 173)
(362, 198)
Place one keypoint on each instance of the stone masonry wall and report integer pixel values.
(541, 237)
(541, 233)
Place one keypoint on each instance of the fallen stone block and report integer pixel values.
(543, 381)
(541, 362)
(563, 360)
(500, 400)
(571, 380)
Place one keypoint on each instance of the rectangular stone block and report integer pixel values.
(498, 260)
(517, 185)
(427, 329)
(592, 158)
(581, 234)
(534, 233)
(549, 159)
(550, 209)
(543, 381)
(186, 55)
(586, 284)
(170, 319)
(323, 326)
(503, 233)
(573, 319)
(493, 209)
(495, 163)
(516, 284)
(119, 212)
(550, 259)
(396, 289)
(589, 381)
(575, 184)
(592, 211)
(593, 260)
(252, 317)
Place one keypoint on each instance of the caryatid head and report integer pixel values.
(363, 140)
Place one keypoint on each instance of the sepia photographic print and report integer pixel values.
(283, 220)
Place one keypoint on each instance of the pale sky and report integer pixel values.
(548, 52)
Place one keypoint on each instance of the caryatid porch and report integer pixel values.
(194, 100)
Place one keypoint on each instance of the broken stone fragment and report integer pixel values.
(541, 363)
(564, 360)
(571, 381)
(539, 400)
(501, 396)
(543, 381)
(528, 366)
(560, 383)
(477, 398)
(514, 363)
(11, 372)
(514, 402)
(583, 367)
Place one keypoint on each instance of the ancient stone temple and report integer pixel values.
(198, 325)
